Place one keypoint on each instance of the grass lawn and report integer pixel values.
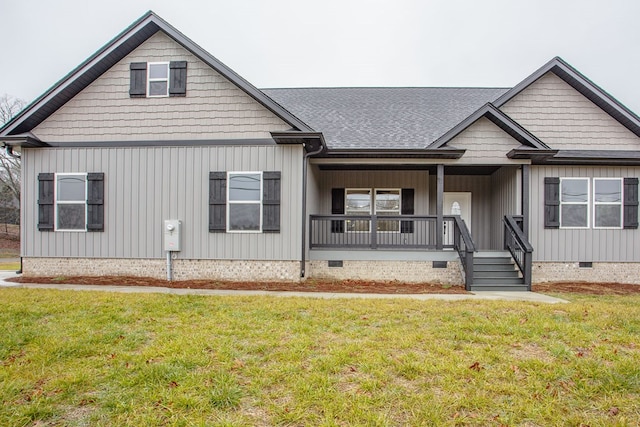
(92, 358)
(9, 266)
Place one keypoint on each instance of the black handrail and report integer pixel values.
(464, 245)
(518, 245)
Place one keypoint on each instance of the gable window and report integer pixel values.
(71, 201)
(574, 202)
(244, 202)
(607, 203)
(158, 79)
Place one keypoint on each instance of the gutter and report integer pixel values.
(305, 162)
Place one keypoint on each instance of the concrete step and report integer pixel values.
(510, 288)
(496, 273)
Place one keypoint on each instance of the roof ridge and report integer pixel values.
(388, 87)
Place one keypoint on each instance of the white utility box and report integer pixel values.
(172, 234)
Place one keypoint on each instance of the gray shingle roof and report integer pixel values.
(399, 118)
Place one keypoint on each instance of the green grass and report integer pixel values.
(10, 266)
(101, 359)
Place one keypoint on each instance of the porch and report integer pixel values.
(369, 221)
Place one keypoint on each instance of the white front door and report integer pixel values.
(456, 203)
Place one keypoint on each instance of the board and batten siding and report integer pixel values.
(146, 185)
(418, 180)
(506, 199)
(565, 245)
(564, 119)
(213, 107)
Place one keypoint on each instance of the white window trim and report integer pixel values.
(149, 79)
(588, 202)
(620, 203)
(70, 202)
(371, 206)
(398, 212)
(243, 202)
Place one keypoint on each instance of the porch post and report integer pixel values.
(525, 200)
(439, 203)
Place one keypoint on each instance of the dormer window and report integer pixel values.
(158, 79)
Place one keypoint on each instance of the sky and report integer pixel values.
(338, 43)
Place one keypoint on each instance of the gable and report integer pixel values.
(485, 143)
(214, 108)
(564, 119)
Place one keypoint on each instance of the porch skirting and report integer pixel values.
(183, 269)
(404, 271)
(617, 272)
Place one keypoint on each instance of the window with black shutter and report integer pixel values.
(71, 201)
(244, 202)
(630, 203)
(157, 79)
(552, 202)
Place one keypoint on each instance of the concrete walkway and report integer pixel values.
(484, 295)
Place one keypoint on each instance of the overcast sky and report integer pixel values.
(297, 43)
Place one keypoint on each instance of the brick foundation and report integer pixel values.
(623, 272)
(182, 269)
(405, 271)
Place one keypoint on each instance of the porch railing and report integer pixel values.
(518, 245)
(393, 232)
(375, 231)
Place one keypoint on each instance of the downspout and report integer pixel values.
(305, 161)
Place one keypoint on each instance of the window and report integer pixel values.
(386, 203)
(71, 201)
(245, 201)
(607, 203)
(158, 79)
(574, 202)
(358, 202)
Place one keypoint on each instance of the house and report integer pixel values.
(491, 187)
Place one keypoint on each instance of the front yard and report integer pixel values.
(91, 358)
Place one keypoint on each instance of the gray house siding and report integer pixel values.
(565, 119)
(566, 245)
(213, 108)
(506, 199)
(146, 185)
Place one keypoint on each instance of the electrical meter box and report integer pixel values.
(172, 231)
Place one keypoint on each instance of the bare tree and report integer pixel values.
(9, 165)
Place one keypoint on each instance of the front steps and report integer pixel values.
(496, 271)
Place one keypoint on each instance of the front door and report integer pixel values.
(456, 203)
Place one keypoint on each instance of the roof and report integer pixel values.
(379, 118)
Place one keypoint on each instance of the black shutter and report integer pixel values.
(138, 80)
(551, 202)
(271, 202)
(337, 208)
(45, 201)
(178, 78)
(95, 201)
(630, 203)
(217, 202)
(407, 208)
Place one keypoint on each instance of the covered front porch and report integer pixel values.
(436, 213)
